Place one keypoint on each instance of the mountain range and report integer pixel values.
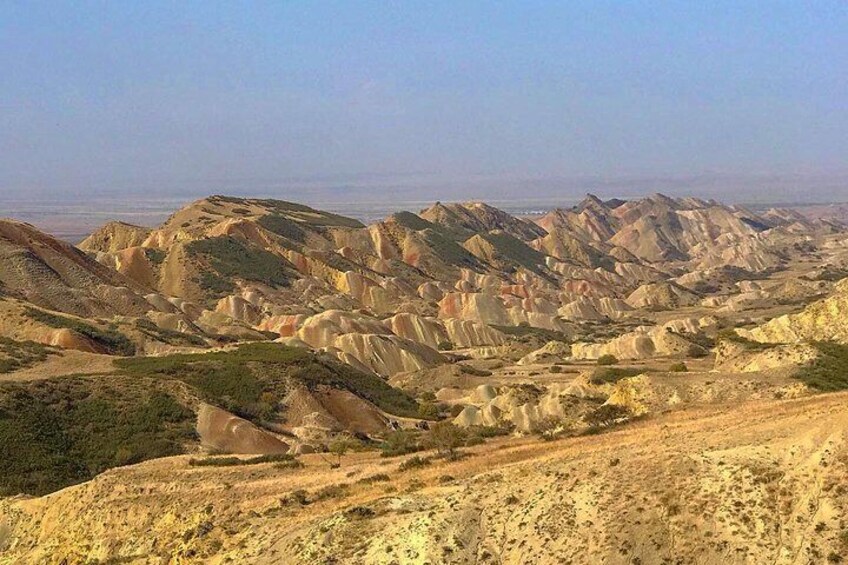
(269, 329)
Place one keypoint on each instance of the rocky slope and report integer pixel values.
(824, 320)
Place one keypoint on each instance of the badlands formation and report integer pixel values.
(256, 381)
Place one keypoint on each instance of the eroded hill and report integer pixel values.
(260, 381)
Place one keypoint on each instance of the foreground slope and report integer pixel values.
(763, 482)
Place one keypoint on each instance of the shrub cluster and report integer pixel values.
(16, 355)
(59, 432)
(112, 340)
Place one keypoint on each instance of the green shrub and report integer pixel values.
(829, 371)
(330, 491)
(215, 285)
(171, 337)
(473, 371)
(606, 415)
(16, 355)
(55, 433)
(428, 411)
(401, 442)
(340, 446)
(232, 258)
(550, 428)
(605, 360)
(378, 478)
(604, 375)
(678, 368)
(696, 351)
(516, 251)
(415, 462)
(283, 226)
(113, 341)
(450, 251)
(446, 438)
(238, 380)
(237, 461)
(155, 256)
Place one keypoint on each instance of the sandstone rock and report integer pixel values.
(220, 430)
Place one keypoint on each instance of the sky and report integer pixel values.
(359, 100)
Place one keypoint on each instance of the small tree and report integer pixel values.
(607, 415)
(607, 359)
(339, 447)
(400, 442)
(550, 428)
(447, 438)
(428, 411)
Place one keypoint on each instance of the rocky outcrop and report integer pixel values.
(222, 431)
(588, 308)
(551, 352)
(662, 295)
(643, 343)
(480, 217)
(385, 355)
(735, 356)
(824, 320)
(113, 237)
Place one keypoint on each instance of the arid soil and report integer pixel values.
(760, 482)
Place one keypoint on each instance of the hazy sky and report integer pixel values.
(249, 96)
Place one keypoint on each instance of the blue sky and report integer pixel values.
(185, 96)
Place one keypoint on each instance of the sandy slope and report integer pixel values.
(760, 482)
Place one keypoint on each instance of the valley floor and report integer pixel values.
(756, 482)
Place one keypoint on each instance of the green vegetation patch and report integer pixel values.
(829, 372)
(516, 250)
(450, 251)
(59, 432)
(231, 258)
(283, 226)
(604, 375)
(155, 256)
(412, 221)
(215, 285)
(236, 461)
(16, 355)
(606, 360)
(313, 217)
(252, 380)
(526, 331)
(171, 337)
(112, 340)
(730, 335)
